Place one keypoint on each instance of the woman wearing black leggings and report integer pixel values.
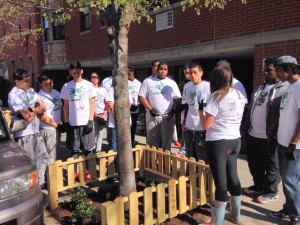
(221, 119)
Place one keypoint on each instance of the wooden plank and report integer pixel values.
(202, 186)
(82, 171)
(160, 160)
(52, 186)
(161, 203)
(70, 169)
(182, 167)
(108, 213)
(92, 166)
(60, 176)
(133, 209)
(153, 159)
(167, 163)
(119, 201)
(192, 166)
(174, 167)
(182, 194)
(193, 192)
(148, 206)
(111, 163)
(102, 167)
(172, 200)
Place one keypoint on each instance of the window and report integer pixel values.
(164, 21)
(29, 22)
(85, 19)
(20, 63)
(58, 30)
(19, 24)
(46, 29)
(13, 65)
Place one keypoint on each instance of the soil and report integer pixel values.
(108, 191)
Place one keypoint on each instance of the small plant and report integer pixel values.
(82, 210)
(150, 183)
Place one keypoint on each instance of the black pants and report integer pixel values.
(257, 149)
(222, 159)
(134, 118)
(273, 177)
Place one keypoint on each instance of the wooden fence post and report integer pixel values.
(108, 213)
(52, 186)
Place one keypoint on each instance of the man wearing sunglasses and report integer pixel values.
(79, 106)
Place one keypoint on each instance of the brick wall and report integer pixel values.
(237, 19)
(273, 49)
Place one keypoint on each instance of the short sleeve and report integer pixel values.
(144, 89)
(64, 93)
(212, 107)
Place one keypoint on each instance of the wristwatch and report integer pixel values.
(30, 109)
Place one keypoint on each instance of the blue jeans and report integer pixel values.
(290, 174)
(112, 138)
(98, 132)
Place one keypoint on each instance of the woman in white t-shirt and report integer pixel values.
(221, 119)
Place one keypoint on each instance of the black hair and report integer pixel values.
(270, 61)
(162, 64)
(154, 61)
(75, 65)
(186, 66)
(295, 69)
(131, 69)
(43, 77)
(20, 74)
(220, 81)
(193, 65)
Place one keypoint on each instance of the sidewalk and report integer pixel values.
(252, 213)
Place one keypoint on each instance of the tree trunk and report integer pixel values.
(119, 55)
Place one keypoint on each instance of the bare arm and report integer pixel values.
(296, 137)
(66, 110)
(206, 120)
(29, 116)
(92, 108)
(145, 103)
(48, 121)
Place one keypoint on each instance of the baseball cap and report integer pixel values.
(287, 59)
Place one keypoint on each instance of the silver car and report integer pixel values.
(21, 199)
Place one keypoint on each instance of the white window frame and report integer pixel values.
(164, 20)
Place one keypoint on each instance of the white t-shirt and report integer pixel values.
(238, 85)
(289, 114)
(107, 83)
(101, 98)
(184, 91)
(20, 99)
(259, 113)
(79, 95)
(53, 107)
(228, 115)
(193, 95)
(133, 89)
(160, 93)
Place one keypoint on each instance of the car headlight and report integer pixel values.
(17, 185)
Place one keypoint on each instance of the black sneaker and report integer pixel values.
(253, 190)
(278, 215)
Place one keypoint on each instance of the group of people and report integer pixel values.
(211, 111)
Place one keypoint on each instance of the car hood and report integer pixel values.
(14, 161)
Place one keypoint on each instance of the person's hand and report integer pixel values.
(201, 105)
(290, 152)
(61, 128)
(133, 108)
(88, 127)
(154, 112)
(67, 126)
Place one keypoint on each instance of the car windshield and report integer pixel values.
(3, 130)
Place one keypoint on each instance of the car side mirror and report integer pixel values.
(18, 125)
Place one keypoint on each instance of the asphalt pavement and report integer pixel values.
(253, 213)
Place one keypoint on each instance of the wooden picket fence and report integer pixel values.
(190, 184)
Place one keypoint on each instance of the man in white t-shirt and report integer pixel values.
(50, 125)
(133, 89)
(261, 125)
(26, 104)
(160, 96)
(289, 139)
(194, 134)
(79, 106)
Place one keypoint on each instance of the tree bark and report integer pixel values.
(118, 44)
